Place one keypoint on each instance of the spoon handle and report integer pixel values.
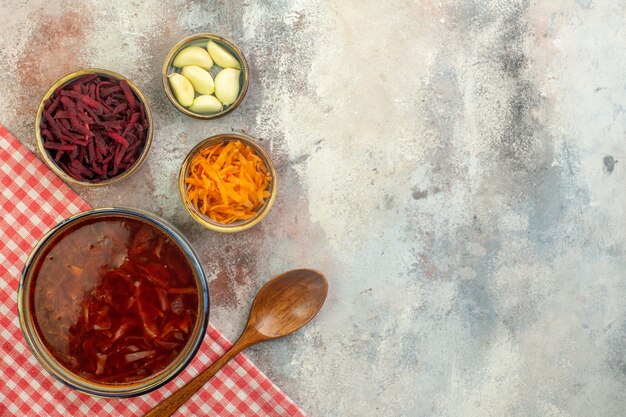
(168, 406)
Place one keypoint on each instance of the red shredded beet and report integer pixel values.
(94, 127)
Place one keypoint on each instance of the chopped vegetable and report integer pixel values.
(227, 182)
(100, 362)
(177, 306)
(187, 290)
(94, 127)
(135, 356)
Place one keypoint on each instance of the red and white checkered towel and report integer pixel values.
(33, 200)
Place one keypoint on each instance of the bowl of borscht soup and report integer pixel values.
(113, 302)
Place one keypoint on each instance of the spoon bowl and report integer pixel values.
(288, 302)
(283, 305)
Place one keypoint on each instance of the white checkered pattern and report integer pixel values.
(33, 200)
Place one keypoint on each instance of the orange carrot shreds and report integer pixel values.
(227, 182)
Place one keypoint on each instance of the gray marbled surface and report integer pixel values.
(455, 167)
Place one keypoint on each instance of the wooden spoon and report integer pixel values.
(283, 305)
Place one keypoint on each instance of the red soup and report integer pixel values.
(114, 300)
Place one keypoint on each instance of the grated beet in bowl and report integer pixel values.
(94, 127)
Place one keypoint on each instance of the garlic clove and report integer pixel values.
(182, 89)
(193, 55)
(222, 57)
(200, 79)
(227, 85)
(206, 104)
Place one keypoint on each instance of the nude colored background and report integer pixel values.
(454, 167)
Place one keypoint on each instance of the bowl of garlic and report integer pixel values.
(205, 76)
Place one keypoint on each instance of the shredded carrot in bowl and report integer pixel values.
(227, 182)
